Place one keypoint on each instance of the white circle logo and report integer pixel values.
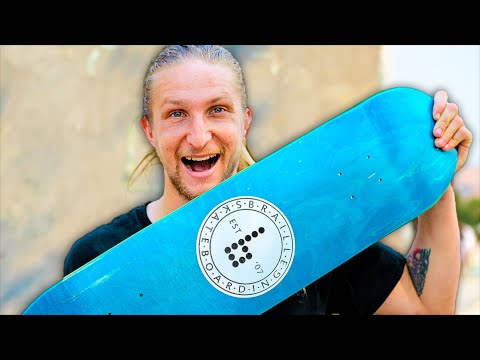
(245, 246)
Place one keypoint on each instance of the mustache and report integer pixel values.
(203, 151)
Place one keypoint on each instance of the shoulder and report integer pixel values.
(120, 227)
(105, 236)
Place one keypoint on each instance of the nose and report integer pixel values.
(199, 132)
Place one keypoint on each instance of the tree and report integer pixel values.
(468, 212)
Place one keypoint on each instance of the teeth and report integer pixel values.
(200, 159)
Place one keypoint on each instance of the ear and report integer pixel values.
(147, 129)
(247, 121)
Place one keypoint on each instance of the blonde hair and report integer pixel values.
(174, 54)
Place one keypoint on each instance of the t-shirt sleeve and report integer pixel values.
(87, 248)
(361, 284)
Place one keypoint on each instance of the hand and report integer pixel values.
(450, 130)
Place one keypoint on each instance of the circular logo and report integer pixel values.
(245, 246)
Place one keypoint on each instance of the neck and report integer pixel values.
(170, 201)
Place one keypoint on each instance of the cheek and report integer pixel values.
(233, 136)
(166, 144)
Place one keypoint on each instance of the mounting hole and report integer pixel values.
(141, 295)
(368, 156)
(352, 197)
(339, 174)
(380, 180)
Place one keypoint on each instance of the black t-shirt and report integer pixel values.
(357, 287)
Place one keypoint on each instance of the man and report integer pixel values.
(196, 117)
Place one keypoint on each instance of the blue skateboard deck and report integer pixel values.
(272, 229)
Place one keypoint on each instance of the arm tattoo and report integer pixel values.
(417, 262)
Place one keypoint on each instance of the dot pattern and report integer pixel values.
(242, 245)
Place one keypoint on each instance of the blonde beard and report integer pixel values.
(186, 193)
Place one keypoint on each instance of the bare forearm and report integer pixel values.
(434, 258)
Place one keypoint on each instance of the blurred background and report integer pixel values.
(70, 137)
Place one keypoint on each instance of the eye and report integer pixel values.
(217, 110)
(176, 114)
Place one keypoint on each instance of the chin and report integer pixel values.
(199, 189)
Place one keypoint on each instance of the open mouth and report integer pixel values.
(200, 164)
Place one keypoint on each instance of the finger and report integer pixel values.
(448, 114)
(449, 132)
(439, 102)
(462, 156)
(463, 137)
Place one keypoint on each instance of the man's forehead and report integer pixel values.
(186, 97)
(193, 73)
(194, 82)
(180, 100)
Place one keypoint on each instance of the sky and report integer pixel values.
(454, 68)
